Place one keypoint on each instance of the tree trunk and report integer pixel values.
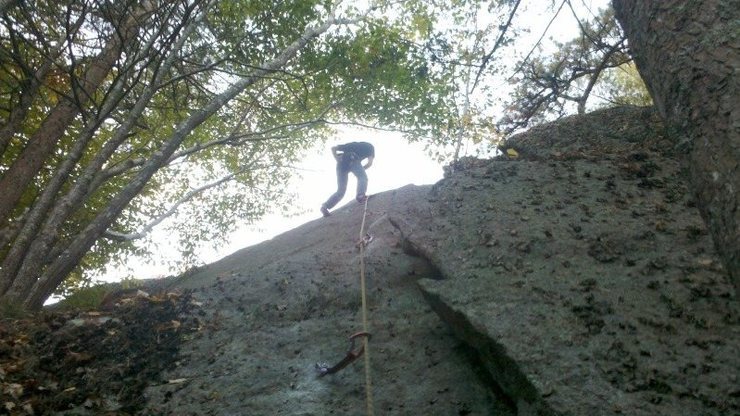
(20, 111)
(6, 4)
(49, 279)
(34, 244)
(41, 225)
(30, 230)
(43, 142)
(688, 53)
(30, 90)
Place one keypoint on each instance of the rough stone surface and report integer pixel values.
(688, 53)
(278, 308)
(584, 275)
(576, 280)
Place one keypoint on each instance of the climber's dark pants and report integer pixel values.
(343, 170)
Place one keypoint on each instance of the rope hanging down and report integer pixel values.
(353, 354)
(368, 380)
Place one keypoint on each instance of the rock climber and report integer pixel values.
(349, 157)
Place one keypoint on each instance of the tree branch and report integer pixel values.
(32, 258)
(531, 51)
(71, 256)
(118, 236)
(498, 43)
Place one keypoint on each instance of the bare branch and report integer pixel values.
(531, 51)
(118, 236)
(43, 141)
(31, 87)
(498, 44)
(233, 139)
(38, 250)
(70, 257)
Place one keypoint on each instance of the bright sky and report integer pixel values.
(397, 162)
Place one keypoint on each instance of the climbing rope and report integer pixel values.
(352, 353)
(368, 379)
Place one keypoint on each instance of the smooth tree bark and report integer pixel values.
(688, 53)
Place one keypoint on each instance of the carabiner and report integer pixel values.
(364, 241)
(351, 356)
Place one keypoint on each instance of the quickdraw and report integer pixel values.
(351, 356)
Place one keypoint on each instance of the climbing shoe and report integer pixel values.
(361, 198)
(325, 211)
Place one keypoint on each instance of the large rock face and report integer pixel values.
(578, 279)
(278, 308)
(583, 273)
(688, 53)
